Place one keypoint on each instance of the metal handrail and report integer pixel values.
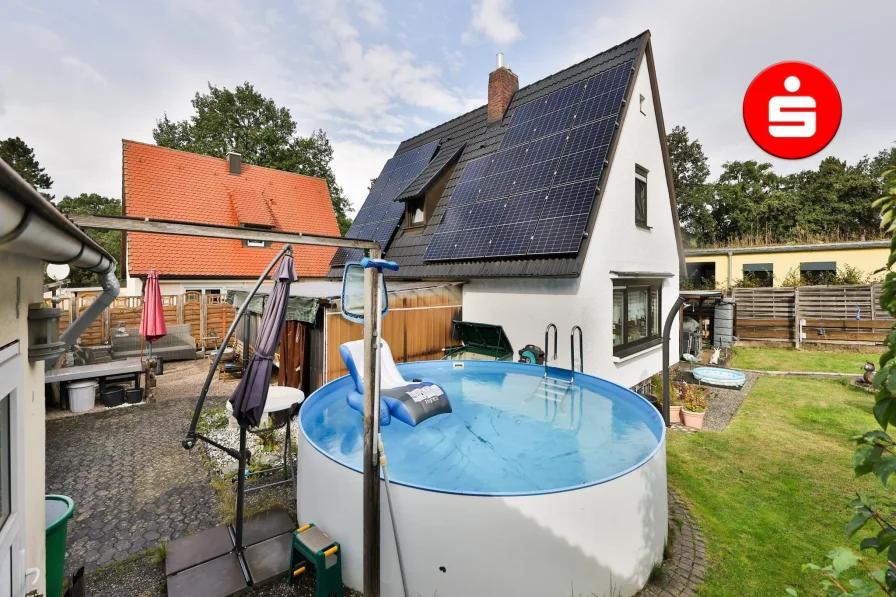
(572, 353)
(547, 345)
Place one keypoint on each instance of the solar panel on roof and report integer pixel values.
(558, 235)
(511, 240)
(379, 217)
(544, 176)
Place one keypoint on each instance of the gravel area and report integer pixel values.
(723, 402)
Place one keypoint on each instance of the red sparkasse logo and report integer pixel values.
(792, 110)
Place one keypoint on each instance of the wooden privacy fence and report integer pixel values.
(209, 317)
(830, 315)
(417, 327)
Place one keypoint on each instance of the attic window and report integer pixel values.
(416, 213)
(640, 196)
(259, 244)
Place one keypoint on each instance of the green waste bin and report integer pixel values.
(59, 509)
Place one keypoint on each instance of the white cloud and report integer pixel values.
(355, 164)
(83, 69)
(496, 20)
(703, 69)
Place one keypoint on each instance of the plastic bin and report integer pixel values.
(134, 395)
(59, 509)
(113, 396)
(82, 395)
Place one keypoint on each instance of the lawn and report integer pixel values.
(770, 492)
(789, 359)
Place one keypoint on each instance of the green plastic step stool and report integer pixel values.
(312, 545)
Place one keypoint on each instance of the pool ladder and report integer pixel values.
(556, 383)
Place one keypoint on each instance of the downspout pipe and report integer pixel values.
(730, 267)
(32, 226)
(667, 336)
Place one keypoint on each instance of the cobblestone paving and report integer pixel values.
(686, 566)
(133, 484)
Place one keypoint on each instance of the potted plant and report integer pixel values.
(674, 403)
(694, 398)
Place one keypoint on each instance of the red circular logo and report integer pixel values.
(792, 110)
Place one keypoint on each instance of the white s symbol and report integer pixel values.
(799, 123)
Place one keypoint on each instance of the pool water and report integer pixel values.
(502, 438)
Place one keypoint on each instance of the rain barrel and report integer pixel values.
(723, 324)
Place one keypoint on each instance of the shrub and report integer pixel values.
(694, 398)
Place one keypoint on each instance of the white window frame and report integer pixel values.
(12, 388)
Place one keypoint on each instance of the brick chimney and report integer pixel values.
(502, 84)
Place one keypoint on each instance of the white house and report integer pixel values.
(32, 232)
(553, 203)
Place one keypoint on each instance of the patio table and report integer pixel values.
(281, 399)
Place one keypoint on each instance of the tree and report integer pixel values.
(91, 204)
(20, 157)
(265, 135)
(689, 173)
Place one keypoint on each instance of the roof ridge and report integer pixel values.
(211, 157)
(646, 32)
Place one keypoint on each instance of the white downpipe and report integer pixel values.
(26, 230)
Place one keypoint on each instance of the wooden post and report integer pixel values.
(796, 318)
(371, 572)
(180, 308)
(871, 289)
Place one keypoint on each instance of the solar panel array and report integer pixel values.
(379, 217)
(533, 196)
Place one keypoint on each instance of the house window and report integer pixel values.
(759, 274)
(636, 315)
(416, 213)
(702, 274)
(818, 272)
(256, 243)
(640, 196)
(12, 368)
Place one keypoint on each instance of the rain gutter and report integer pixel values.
(32, 226)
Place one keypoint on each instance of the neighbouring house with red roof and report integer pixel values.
(168, 184)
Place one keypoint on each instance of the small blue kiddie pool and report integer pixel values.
(522, 489)
(717, 376)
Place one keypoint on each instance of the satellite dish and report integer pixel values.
(58, 271)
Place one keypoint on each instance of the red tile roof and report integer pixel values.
(169, 184)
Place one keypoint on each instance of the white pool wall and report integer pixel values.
(600, 540)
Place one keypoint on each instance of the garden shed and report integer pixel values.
(417, 328)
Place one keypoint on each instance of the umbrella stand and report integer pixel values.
(240, 455)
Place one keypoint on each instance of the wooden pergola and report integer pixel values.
(371, 490)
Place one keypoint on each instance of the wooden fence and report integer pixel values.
(417, 328)
(829, 315)
(210, 317)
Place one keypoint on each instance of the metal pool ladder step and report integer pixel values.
(553, 389)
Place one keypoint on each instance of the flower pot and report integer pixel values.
(692, 420)
(674, 414)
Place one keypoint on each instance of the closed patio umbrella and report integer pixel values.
(249, 397)
(152, 322)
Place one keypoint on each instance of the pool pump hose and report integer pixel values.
(382, 450)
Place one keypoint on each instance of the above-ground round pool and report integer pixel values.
(518, 491)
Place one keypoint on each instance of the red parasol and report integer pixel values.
(152, 324)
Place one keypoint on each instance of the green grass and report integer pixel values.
(789, 359)
(770, 492)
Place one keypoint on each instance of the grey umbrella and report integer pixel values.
(252, 392)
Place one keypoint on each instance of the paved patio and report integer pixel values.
(133, 484)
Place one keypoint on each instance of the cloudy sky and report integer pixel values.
(77, 77)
